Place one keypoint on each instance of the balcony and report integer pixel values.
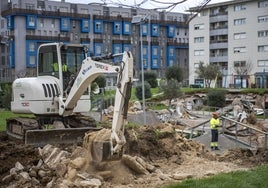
(118, 41)
(174, 43)
(87, 40)
(111, 18)
(218, 18)
(219, 45)
(168, 22)
(48, 38)
(44, 13)
(218, 32)
(219, 58)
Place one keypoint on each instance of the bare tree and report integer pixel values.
(242, 69)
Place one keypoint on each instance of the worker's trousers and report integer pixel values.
(214, 137)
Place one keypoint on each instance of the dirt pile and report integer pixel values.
(153, 156)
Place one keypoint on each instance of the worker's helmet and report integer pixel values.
(215, 114)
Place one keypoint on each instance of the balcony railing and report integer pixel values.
(174, 43)
(20, 11)
(48, 38)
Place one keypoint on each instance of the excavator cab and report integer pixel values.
(61, 61)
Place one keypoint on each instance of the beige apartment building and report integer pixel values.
(234, 36)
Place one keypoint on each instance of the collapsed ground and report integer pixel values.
(169, 157)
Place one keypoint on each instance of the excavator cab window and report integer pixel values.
(48, 61)
(72, 58)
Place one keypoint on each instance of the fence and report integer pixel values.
(251, 132)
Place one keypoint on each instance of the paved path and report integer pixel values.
(224, 142)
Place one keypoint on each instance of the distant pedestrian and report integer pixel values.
(214, 124)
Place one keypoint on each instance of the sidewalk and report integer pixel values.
(224, 142)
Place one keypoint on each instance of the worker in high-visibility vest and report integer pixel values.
(55, 67)
(214, 124)
(64, 67)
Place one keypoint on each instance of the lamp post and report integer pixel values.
(139, 20)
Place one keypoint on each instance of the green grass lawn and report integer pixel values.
(255, 178)
(8, 114)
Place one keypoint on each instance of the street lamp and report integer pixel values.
(139, 20)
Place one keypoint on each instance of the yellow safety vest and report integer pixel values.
(64, 68)
(55, 67)
(214, 123)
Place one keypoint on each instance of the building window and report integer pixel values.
(155, 51)
(144, 28)
(239, 50)
(262, 19)
(85, 26)
(199, 52)
(84, 11)
(239, 63)
(263, 63)
(98, 49)
(32, 60)
(117, 48)
(171, 31)
(171, 52)
(65, 24)
(63, 9)
(263, 33)
(52, 23)
(263, 48)
(98, 26)
(126, 28)
(238, 36)
(198, 39)
(241, 21)
(155, 30)
(171, 62)
(117, 28)
(144, 51)
(31, 47)
(31, 21)
(199, 26)
(41, 22)
(239, 7)
(155, 63)
(29, 6)
(262, 4)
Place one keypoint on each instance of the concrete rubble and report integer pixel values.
(58, 168)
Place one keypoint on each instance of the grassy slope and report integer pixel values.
(255, 178)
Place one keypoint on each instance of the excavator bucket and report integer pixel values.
(99, 145)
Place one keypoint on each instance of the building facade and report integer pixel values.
(234, 36)
(25, 24)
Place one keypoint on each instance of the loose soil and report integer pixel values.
(159, 146)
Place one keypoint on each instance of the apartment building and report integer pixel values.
(29, 23)
(234, 36)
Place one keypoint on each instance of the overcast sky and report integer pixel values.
(179, 8)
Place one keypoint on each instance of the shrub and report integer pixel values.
(6, 96)
(147, 91)
(216, 98)
(151, 78)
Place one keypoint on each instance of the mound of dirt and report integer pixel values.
(161, 153)
(13, 151)
(158, 142)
